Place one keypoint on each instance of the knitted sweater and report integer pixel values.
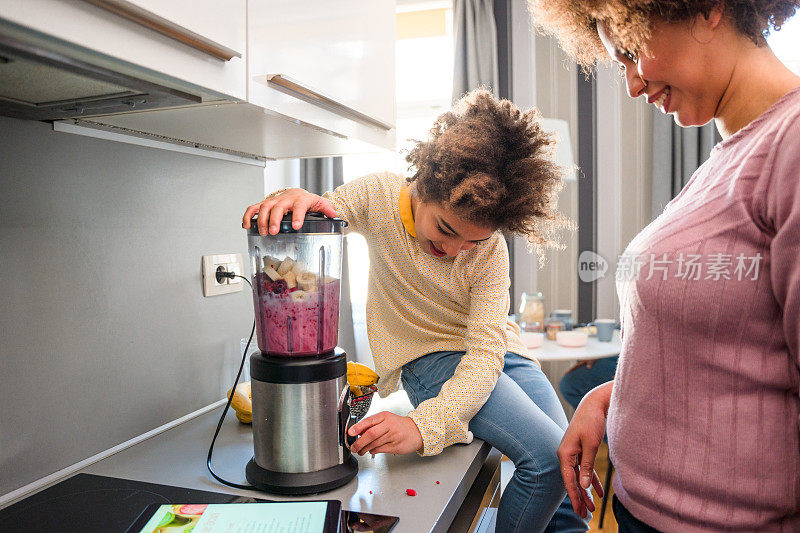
(703, 420)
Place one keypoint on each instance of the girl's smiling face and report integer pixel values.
(682, 69)
(441, 232)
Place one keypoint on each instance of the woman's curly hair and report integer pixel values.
(574, 22)
(492, 165)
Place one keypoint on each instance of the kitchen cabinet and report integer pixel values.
(182, 44)
(336, 55)
(272, 78)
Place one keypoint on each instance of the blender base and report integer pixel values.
(301, 483)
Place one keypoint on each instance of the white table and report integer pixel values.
(594, 349)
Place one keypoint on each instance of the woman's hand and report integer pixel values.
(272, 208)
(386, 432)
(578, 448)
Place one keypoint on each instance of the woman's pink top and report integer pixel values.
(703, 421)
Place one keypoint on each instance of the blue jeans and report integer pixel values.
(576, 383)
(525, 421)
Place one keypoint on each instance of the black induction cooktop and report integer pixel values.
(89, 503)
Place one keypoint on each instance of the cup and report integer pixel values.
(605, 328)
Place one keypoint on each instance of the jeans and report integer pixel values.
(576, 383)
(626, 521)
(525, 421)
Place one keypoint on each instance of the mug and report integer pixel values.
(605, 328)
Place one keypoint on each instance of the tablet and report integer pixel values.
(308, 517)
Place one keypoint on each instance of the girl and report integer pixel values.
(438, 297)
(702, 415)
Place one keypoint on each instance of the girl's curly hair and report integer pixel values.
(574, 22)
(492, 165)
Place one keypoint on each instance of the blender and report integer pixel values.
(301, 400)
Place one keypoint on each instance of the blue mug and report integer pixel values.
(605, 328)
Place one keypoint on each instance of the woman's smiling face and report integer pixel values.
(682, 69)
(442, 233)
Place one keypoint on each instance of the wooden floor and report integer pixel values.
(601, 464)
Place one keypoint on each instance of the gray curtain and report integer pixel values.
(319, 175)
(475, 46)
(677, 152)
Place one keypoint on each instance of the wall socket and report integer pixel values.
(229, 262)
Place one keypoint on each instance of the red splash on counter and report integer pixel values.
(437, 482)
(411, 492)
(370, 492)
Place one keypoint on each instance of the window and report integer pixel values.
(786, 43)
(424, 83)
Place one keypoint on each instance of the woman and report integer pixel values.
(702, 415)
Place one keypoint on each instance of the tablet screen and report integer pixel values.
(277, 517)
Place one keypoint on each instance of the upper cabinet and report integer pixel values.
(268, 78)
(196, 46)
(336, 55)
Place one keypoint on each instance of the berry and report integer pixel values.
(411, 492)
(278, 286)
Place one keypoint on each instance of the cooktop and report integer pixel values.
(88, 503)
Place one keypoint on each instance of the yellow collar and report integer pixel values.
(406, 213)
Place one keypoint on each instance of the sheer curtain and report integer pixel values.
(475, 46)
(319, 175)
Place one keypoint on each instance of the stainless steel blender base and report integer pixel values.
(302, 483)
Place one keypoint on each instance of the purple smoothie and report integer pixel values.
(289, 325)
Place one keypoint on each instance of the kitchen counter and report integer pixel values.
(465, 472)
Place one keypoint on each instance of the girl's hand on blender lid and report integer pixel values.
(297, 201)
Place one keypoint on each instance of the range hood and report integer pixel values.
(40, 84)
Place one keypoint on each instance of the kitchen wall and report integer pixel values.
(104, 330)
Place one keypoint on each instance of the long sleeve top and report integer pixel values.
(703, 423)
(418, 304)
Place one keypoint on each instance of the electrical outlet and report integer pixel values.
(229, 262)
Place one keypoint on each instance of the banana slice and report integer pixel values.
(272, 273)
(271, 262)
(285, 266)
(307, 281)
(291, 279)
(298, 296)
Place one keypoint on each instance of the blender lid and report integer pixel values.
(313, 223)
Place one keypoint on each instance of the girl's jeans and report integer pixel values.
(525, 421)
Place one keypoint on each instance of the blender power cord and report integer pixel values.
(220, 275)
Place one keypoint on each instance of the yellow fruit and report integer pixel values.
(360, 375)
(242, 402)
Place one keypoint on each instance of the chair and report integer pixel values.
(606, 491)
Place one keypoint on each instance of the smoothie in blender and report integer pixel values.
(296, 319)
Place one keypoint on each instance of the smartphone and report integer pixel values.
(356, 521)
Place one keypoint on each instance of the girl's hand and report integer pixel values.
(272, 208)
(386, 432)
(578, 448)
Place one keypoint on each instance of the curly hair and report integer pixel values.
(492, 165)
(574, 22)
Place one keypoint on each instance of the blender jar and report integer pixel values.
(296, 283)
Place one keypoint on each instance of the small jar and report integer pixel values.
(552, 327)
(531, 312)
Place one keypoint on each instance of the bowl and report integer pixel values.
(571, 339)
(531, 339)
